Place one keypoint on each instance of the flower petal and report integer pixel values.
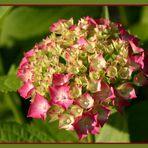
(126, 91)
(23, 62)
(26, 90)
(29, 53)
(39, 107)
(137, 61)
(66, 121)
(96, 61)
(120, 104)
(59, 95)
(75, 91)
(82, 41)
(76, 110)
(55, 27)
(126, 36)
(105, 93)
(87, 123)
(25, 74)
(60, 79)
(140, 79)
(94, 85)
(102, 21)
(91, 21)
(103, 114)
(55, 111)
(135, 48)
(86, 101)
(145, 68)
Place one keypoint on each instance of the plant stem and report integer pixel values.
(91, 138)
(105, 12)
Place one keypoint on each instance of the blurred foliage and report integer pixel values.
(115, 130)
(20, 28)
(14, 132)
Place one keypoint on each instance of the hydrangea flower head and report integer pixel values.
(79, 72)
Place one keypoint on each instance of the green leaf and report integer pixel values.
(5, 112)
(4, 10)
(141, 29)
(12, 70)
(27, 22)
(144, 15)
(13, 132)
(9, 83)
(59, 135)
(116, 129)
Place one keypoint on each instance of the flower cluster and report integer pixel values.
(80, 72)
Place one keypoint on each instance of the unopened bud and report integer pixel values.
(76, 111)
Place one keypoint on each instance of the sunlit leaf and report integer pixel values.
(116, 130)
(9, 83)
(59, 135)
(144, 15)
(140, 29)
(4, 10)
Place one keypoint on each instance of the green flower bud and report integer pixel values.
(112, 71)
(76, 111)
(75, 91)
(94, 75)
(66, 121)
(123, 73)
(93, 86)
